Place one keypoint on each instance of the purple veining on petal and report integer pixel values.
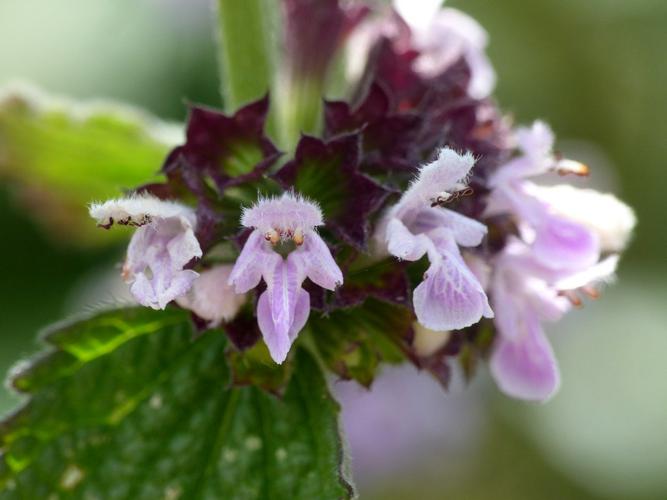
(277, 342)
(283, 308)
(301, 313)
(282, 284)
(155, 259)
(450, 297)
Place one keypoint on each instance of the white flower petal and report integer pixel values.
(212, 298)
(603, 213)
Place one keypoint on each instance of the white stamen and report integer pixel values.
(565, 167)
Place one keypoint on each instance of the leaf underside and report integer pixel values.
(128, 405)
(63, 155)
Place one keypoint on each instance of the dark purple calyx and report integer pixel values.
(222, 151)
(389, 138)
(328, 172)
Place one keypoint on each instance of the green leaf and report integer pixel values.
(254, 366)
(62, 155)
(128, 405)
(352, 342)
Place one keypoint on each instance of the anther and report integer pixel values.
(566, 167)
(444, 198)
(572, 297)
(297, 237)
(272, 236)
(125, 272)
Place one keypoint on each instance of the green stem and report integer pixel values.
(299, 109)
(246, 52)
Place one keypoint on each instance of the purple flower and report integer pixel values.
(405, 421)
(450, 297)
(563, 231)
(442, 37)
(419, 83)
(439, 37)
(283, 309)
(161, 247)
(556, 240)
(525, 293)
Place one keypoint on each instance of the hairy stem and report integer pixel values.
(246, 49)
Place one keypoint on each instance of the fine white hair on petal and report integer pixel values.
(138, 210)
(288, 212)
(537, 140)
(604, 214)
(449, 170)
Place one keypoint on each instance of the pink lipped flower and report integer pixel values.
(564, 234)
(443, 36)
(161, 247)
(450, 297)
(283, 308)
(556, 241)
(525, 294)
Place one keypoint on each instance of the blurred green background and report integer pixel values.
(594, 70)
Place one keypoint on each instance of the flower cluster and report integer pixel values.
(411, 211)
